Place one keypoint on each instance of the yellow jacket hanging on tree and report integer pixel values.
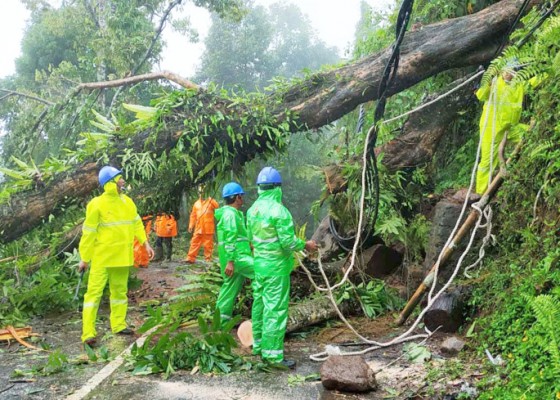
(501, 112)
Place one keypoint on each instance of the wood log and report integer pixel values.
(377, 261)
(312, 312)
(447, 312)
(319, 100)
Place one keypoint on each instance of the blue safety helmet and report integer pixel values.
(269, 175)
(107, 173)
(232, 189)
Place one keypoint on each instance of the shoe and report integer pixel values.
(126, 331)
(290, 364)
(284, 364)
(91, 342)
(189, 262)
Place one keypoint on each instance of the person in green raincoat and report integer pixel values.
(234, 250)
(108, 233)
(501, 113)
(271, 231)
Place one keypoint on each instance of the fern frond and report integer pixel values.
(547, 311)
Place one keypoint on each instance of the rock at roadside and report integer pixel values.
(347, 374)
(452, 346)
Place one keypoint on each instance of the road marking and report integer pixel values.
(108, 369)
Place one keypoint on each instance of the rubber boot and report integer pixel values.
(158, 253)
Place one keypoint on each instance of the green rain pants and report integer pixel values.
(271, 295)
(118, 287)
(243, 268)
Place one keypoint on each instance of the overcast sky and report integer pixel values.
(334, 20)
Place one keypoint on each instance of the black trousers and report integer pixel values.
(166, 242)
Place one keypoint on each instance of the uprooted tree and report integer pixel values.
(213, 130)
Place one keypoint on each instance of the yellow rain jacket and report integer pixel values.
(112, 222)
(501, 112)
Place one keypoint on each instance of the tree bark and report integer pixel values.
(421, 134)
(447, 311)
(319, 100)
(312, 312)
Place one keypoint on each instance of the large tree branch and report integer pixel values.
(319, 100)
(421, 134)
(156, 35)
(28, 96)
(150, 48)
(466, 41)
(152, 76)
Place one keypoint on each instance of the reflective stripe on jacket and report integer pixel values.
(271, 230)
(109, 229)
(202, 216)
(233, 241)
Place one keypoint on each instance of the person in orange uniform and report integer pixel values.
(141, 257)
(166, 230)
(201, 225)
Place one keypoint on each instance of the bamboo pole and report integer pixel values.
(462, 232)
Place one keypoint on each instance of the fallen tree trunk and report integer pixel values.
(421, 134)
(321, 99)
(312, 312)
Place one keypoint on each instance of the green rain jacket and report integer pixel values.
(271, 230)
(233, 241)
(109, 229)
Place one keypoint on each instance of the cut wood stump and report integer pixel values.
(446, 312)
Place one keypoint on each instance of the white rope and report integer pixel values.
(406, 336)
(466, 200)
(434, 100)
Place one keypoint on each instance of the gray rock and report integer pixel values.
(329, 247)
(452, 345)
(443, 221)
(347, 374)
(462, 193)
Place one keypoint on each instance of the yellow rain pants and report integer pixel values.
(118, 287)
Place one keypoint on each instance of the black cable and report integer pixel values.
(512, 26)
(372, 171)
(538, 24)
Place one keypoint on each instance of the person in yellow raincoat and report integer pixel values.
(500, 114)
(202, 227)
(108, 233)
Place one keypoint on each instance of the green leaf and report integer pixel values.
(416, 353)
